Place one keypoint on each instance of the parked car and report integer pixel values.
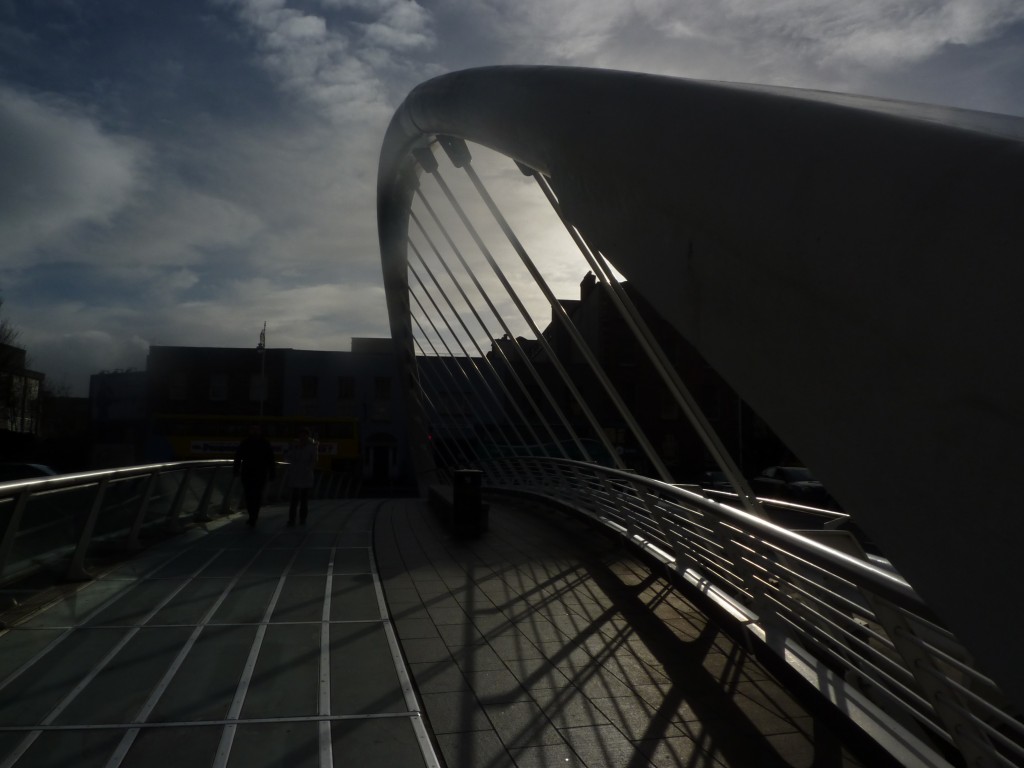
(795, 484)
(22, 471)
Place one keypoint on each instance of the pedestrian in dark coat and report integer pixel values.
(254, 464)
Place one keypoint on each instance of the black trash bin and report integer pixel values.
(469, 515)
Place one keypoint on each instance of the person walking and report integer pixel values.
(254, 463)
(301, 458)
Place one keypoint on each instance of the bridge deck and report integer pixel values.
(540, 644)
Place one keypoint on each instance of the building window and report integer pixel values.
(346, 388)
(308, 387)
(380, 408)
(19, 405)
(218, 387)
(177, 389)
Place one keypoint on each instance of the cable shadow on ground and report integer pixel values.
(711, 696)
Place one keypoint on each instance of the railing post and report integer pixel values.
(76, 570)
(133, 535)
(11, 532)
(204, 501)
(650, 502)
(615, 497)
(173, 520)
(568, 482)
(760, 603)
(225, 503)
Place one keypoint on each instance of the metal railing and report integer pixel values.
(857, 632)
(58, 521)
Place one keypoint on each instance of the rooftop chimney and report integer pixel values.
(589, 281)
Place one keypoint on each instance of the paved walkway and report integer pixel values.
(546, 644)
(540, 644)
(234, 648)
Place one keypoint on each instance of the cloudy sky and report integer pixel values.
(179, 172)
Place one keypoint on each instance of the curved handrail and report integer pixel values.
(848, 627)
(887, 584)
(77, 479)
(61, 530)
(159, 499)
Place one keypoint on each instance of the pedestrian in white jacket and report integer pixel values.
(301, 458)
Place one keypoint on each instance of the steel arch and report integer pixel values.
(850, 266)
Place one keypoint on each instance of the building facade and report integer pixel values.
(198, 402)
(21, 391)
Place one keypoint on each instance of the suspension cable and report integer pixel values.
(483, 357)
(453, 146)
(468, 358)
(427, 162)
(664, 367)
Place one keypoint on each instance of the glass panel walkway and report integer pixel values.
(543, 643)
